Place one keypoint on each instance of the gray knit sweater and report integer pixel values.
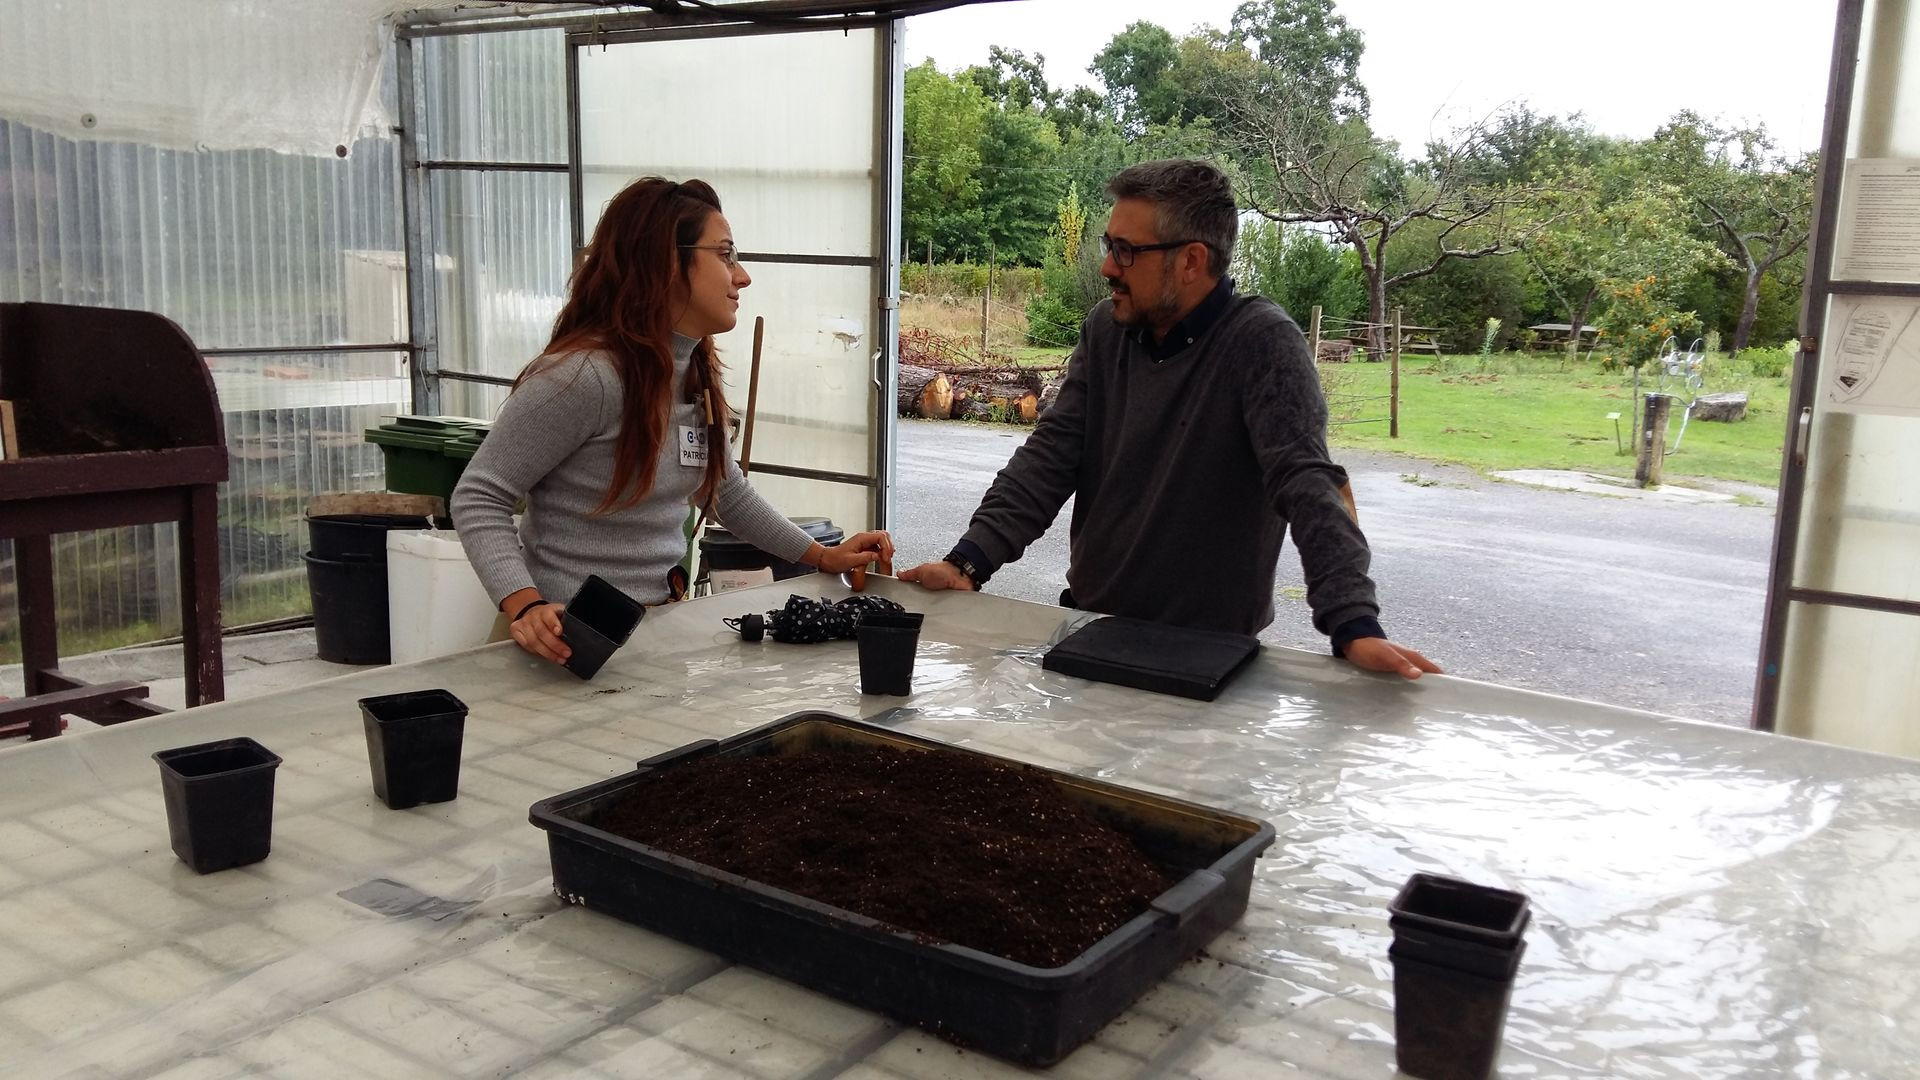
(553, 444)
(1186, 473)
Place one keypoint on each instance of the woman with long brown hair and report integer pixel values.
(620, 425)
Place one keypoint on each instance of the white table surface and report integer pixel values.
(1707, 902)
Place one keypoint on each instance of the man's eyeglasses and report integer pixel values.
(728, 253)
(1124, 253)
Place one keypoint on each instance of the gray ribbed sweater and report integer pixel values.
(553, 444)
(1185, 476)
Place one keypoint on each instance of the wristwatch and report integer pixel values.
(966, 566)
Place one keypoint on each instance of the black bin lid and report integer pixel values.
(720, 541)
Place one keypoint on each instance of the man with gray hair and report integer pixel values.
(1191, 431)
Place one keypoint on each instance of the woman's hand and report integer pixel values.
(859, 550)
(537, 630)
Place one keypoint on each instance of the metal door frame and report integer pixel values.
(1820, 288)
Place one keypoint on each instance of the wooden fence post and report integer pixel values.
(1393, 391)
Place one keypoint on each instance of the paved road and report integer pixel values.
(1648, 604)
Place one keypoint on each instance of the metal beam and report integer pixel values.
(810, 260)
(497, 166)
(473, 377)
(762, 13)
(423, 332)
(1813, 319)
(1875, 288)
(1847, 600)
(888, 162)
(813, 474)
(302, 350)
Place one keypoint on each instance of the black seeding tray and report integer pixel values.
(1030, 1015)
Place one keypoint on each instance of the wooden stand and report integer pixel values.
(118, 425)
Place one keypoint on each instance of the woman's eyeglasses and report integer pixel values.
(728, 253)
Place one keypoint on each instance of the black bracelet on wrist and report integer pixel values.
(965, 566)
(531, 604)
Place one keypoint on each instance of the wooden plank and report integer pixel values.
(41, 712)
(111, 473)
(107, 713)
(76, 513)
(200, 595)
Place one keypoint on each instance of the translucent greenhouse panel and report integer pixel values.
(1848, 675)
(495, 97)
(1886, 108)
(242, 248)
(481, 400)
(502, 256)
(846, 504)
(1849, 678)
(816, 403)
(294, 425)
(783, 127)
(1860, 529)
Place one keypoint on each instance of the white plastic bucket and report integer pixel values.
(435, 603)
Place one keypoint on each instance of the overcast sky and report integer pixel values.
(1627, 64)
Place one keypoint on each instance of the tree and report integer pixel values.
(1302, 164)
(1013, 80)
(1020, 183)
(1460, 295)
(1293, 266)
(1067, 291)
(1136, 67)
(1306, 48)
(1756, 202)
(944, 120)
(1605, 225)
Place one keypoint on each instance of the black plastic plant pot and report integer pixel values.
(599, 620)
(888, 643)
(1447, 1024)
(413, 746)
(1452, 908)
(219, 799)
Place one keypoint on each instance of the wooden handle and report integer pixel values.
(753, 394)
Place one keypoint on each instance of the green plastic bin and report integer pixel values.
(463, 446)
(415, 452)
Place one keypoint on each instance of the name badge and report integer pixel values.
(693, 446)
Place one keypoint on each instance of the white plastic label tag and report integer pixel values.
(693, 446)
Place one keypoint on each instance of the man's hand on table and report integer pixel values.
(1379, 654)
(938, 575)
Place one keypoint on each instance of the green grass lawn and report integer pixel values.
(1539, 412)
(1523, 413)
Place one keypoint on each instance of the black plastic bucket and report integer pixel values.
(350, 624)
(344, 536)
(722, 550)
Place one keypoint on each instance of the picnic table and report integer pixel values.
(1708, 901)
(1552, 333)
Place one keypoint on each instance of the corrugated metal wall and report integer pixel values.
(258, 250)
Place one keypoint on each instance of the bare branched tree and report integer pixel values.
(1302, 164)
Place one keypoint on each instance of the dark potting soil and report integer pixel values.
(980, 854)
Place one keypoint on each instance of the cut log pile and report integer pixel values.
(939, 380)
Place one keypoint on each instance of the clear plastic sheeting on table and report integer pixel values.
(1708, 902)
